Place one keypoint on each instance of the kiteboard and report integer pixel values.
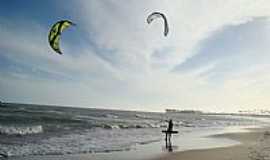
(169, 132)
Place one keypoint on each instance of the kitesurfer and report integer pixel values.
(169, 130)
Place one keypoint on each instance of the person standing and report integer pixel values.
(169, 130)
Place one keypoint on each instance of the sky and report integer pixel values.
(215, 57)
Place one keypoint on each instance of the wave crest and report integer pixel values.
(20, 130)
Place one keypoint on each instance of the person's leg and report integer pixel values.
(170, 146)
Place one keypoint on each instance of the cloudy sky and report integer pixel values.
(215, 58)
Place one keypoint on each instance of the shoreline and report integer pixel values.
(251, 147)
(209, 144)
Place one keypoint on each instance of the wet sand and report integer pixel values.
(254, 146)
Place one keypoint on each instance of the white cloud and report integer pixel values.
(121, 26)
(120, 67)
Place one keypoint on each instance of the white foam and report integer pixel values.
(20, 130)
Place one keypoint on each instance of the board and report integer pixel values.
(172, 132)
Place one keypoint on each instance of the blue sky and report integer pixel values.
(215, 57)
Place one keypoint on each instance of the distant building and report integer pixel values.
(183, 111)
(255, 112)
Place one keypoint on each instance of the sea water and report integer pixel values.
(27, 130)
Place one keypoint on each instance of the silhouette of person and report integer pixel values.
(169, 130)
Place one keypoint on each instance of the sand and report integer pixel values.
(255, 145)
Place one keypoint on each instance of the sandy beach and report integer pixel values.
(254, 146)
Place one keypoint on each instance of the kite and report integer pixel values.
(156, 15)
(55, 33)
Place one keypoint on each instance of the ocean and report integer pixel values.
(27, 130)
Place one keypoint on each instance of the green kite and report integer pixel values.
(55, 33)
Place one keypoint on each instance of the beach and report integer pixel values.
(254, 146)
(26, 133)
(135, 80)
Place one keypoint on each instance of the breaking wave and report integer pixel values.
(20, 130)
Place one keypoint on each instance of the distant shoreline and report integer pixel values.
(113, 109)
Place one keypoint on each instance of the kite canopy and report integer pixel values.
(156, 15)
(55, 33)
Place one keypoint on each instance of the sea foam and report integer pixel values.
(20, 130)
